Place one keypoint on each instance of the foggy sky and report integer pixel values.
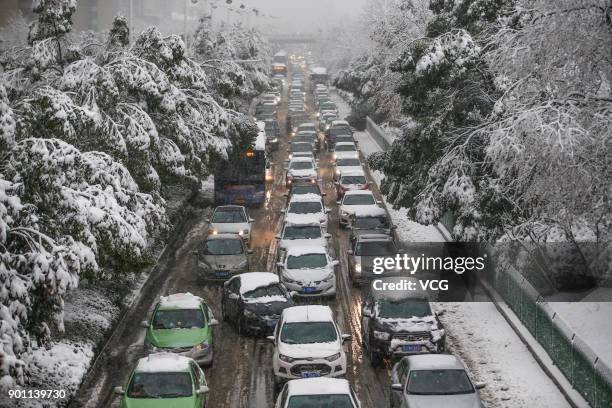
(301, 15)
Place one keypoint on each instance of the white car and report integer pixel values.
(318, 392)
(231, 219)
(308, 270)
(293, 234)
(346, 150)
(307, 126)
(356, 202)
(346, 164)
(306, 209)
(308, 343)
(301, 169)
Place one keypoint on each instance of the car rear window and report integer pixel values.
(352, 180)
(178, 319)
(348, 163)
(309, 207)
(439, 382)
(345, 148)
(229, 216)
(306, 261)
(359, 199)
(332, 401)
(382, 248)
(301, 166)
(302, 232)
(308, 333)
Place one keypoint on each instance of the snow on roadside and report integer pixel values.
(476, 331)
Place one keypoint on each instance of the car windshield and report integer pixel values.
(345, 148)
(371, 222)
(301, 147)
(229, 216)
(405, 308)
(381, 248)
(306, 261)
(344, 139)
(353, 180)
(302, 232)
(303, 139)
(179, 319)
(308, 332)
(301, 166)
(263, 291)
(305, 189)
(160, 385)
(339, 131)
(348, 163)
(308, 207)
(320, 401)
(439, 382)
(358, 199)
(223, 247)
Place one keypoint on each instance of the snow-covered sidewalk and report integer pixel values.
(476, 331)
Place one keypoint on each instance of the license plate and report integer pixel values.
(310, 374)
(411, 347)
(222, 274)
(308, 290)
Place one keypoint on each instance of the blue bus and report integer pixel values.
(243, 181)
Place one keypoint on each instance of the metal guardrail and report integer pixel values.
(378, 134)
(585, 371)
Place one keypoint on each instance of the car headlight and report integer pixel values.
(286, 359)
(358, 267)
(243, 232)
(333, 357)
(381, 335)
(202, 346)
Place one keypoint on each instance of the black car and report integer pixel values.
(253, 302)
(374, 222)
(272, 134)
(396, 323)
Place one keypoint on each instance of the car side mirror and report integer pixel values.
(346, 337)
(378, 202)
(396, 387)
(394, 227)
(323, 194)
(338, 202)
(371, 183)
(328, 235)
(207, 220)
(277, 237)
(285, 194)
(203, 390)
(350, 252)
(271, 339)
(251, 220)
(440, 312)
(234, 296)
(293, 294)
(327, 211)
(119, 390)
(283, 211)
(335, 262)
(279, 264)
(249, 251)
(213, 322)
(366, 313)
(144, 324)
(196, 253)
(480, 385)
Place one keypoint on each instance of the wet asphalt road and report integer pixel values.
(241, 376)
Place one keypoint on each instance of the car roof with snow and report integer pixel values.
(340, 122)
(299, 223)
(435, 362)
(318, 386)
(309, 197)
(252, 280)
(308, 313)
(358, 192)
(373, 212)
(301, 159)
(355, 172)
(163, 362)
(180, 301)
(346, 144)
(299, 250)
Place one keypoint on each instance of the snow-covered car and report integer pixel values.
(336, 128)
(308, 136)
(433, 380)
(325, 118)
(308, 270)
(348, 164)
(222, 256)
(181, 323)
(308, 343)
(353, 180)
(364, 250)
(301, 169)
(165, 380)
(372, 222)
(292, 234)
(307, 126)
(303, 188)
(318, 392)
(356, 202)
(306, 209)
(345, 150)
(231, 219)
(253, 302)
(396, 323)
(301, 149)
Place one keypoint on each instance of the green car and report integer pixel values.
(181, 323)
(165, 380)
